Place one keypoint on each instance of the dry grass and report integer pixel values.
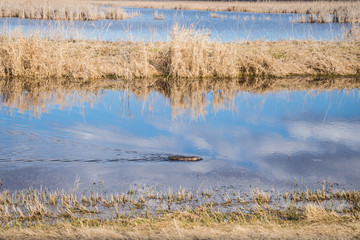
(319, 11)
(158, 16)
(186, 97)
(175, 229)
(352, 34)
(340, 11)
(342, 14)
(59, 10)
(188, 54)
(149, 213)
(216, 15)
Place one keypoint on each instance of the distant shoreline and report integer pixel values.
(89, 10)
(318, 11)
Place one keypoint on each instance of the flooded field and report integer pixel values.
(267, 133)
(222, 26)
(100, 106)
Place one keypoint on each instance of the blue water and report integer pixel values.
(120, 138)
(236, 26)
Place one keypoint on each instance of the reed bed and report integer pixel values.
(187, 54)
(60, 10)
(149, 209)
(317, 11)
(339, 11)
(186, 98)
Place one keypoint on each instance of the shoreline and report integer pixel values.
(175, 229)
(317, 11)
(149, 214)
(188, 54)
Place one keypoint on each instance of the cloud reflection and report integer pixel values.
(340, 132)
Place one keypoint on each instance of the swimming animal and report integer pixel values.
(184, 158)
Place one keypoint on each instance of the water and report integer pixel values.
(121, 136)
(236, 26)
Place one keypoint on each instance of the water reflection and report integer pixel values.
(123, 131)
(192, 98)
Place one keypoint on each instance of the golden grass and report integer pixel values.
(149, 213)
(188, 54)
(341, 11)
(186, 97)
(59, 10)
(171, 229)
(319, 11)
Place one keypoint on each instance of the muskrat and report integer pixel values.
(185, 158)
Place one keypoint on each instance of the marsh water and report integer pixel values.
(118, 134)
(274, 133)
(231, 26)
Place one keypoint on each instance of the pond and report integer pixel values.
(227, 27)
(273, 133)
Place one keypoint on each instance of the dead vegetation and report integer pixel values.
(158, 16)
(319, 11)
(188, 54)
(59, 10)
(216, 15)
(201, 213)
(180, 229)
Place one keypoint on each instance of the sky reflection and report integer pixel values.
(273, 137)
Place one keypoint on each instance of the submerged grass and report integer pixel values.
(149, 213)
(319, 11)
(189, 53)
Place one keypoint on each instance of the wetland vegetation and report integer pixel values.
(85, 10)
(59, 10)
(177, 214)
(146, 212)
(193, 73)
(188, 54)
(316, 11)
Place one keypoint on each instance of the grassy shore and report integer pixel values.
(173, 228)
(60, 10)
(188, 54)
(147, 213)
(319, 10)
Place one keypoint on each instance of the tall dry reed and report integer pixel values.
(188, 54)
(59, 10)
